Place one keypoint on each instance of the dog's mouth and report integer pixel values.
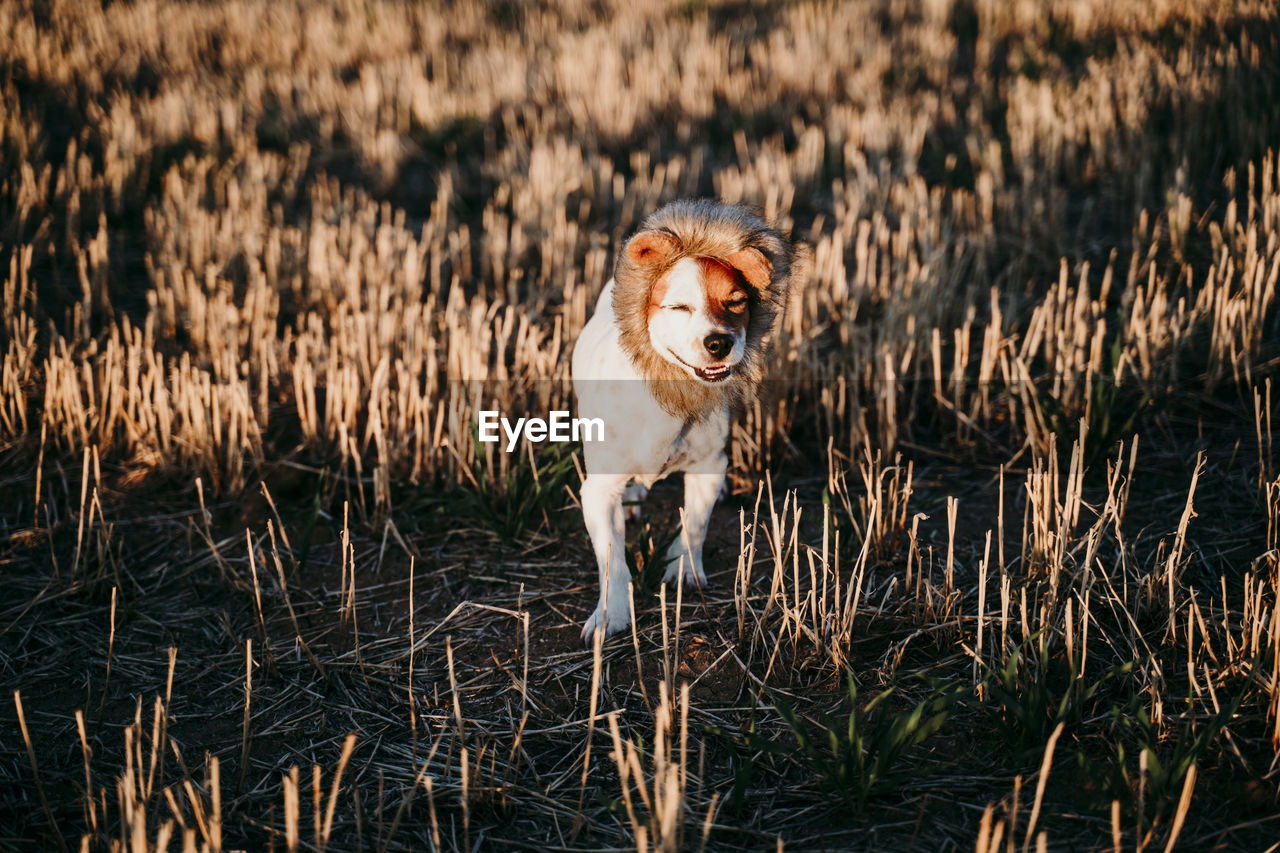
(714, 373)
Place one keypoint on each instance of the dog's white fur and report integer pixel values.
(678, 336)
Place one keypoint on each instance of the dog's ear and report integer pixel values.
(754, 267)
(651, 247)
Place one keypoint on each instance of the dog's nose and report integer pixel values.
(718, 344)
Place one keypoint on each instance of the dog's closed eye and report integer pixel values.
(679, 306)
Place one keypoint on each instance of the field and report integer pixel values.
(1001, 566)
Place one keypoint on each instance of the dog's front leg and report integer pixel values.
(602, 512)
(701, 490)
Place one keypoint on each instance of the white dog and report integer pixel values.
(679, 336)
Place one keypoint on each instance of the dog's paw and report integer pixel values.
(685, 568)
(610, 623)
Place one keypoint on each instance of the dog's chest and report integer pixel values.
(695, 446)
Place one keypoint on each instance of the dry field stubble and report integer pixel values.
(1002, 566)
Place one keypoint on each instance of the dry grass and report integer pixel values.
(263, 262)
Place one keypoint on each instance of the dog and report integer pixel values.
(679, 337)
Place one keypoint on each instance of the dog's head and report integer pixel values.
(699, 307)
(698, 291)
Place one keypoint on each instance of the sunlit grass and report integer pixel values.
(263, 263)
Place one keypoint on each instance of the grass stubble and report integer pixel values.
(263, 263)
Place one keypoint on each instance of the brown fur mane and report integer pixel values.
(708, 229)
